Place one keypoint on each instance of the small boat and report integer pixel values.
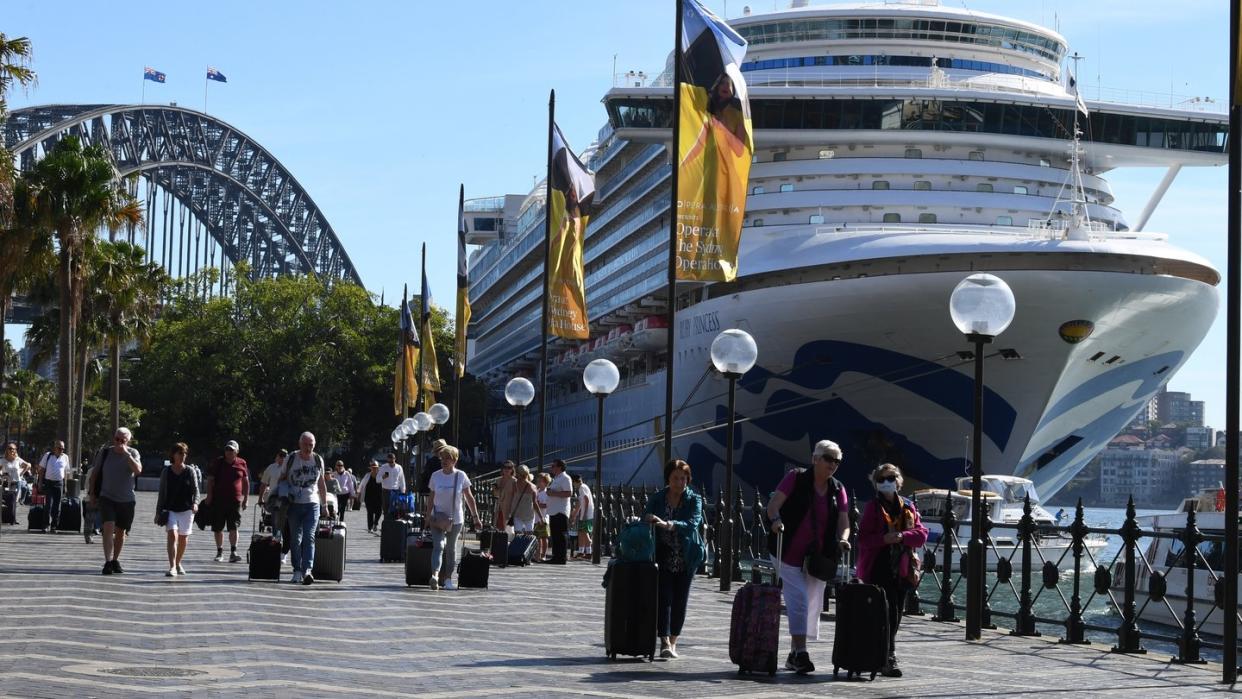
(650, 334)
(1005, 497)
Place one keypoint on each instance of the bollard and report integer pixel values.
(1075, 632)
(948, 525)
(1188, 645)
(1129, 638)
(1026, 531)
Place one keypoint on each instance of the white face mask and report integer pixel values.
(886, 486)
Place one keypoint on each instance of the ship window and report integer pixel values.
(826, 154)
(817, 218)
(976, 155)
(1044, 163)
(787, 187)
(880, 184)
(983, 187)
(758, 223)
(1020, 189)
(927, 218)
(779, 156)
(757, 190)
(892, 218)
(922, 185)
(1004, 220)
(914, 153)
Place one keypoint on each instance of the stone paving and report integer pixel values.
(537, 632)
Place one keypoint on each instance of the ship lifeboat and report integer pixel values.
(650, 334)
(581, 355)
(596, 350)
(618, 341)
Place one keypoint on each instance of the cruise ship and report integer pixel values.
(899, 147)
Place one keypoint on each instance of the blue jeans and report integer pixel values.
(674, 596)
(52, 489)
(303, 518)
(449, 552)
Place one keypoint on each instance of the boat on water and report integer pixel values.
(899, 147)
(1005, 497)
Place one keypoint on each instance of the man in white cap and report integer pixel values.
(228, 492)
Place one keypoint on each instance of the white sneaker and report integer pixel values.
(450, 585)
(284, 559)
(219, 557)
(172, 573)
(180, 570)
(434, 584)
(296, 577)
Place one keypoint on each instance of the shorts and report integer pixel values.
(121, 514)
(181, 522)
(225, 514)
(586, 527)
(523, 526)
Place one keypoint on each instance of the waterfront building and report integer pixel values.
(1147, 474)
(1176, 406)
(1204, 473)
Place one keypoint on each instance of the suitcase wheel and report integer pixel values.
(872, 677)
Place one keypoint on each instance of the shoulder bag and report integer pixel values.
(817, 564)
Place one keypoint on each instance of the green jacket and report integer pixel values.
(687, 520)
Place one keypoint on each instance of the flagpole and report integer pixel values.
(671, 311)
(547, 286)
(205, 81)
(458, 372)
(143, 99)
(1233, 353)
(405, 371)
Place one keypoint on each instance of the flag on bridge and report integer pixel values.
(149, 73)
(430, 382)
(213, 74)
(404, 389)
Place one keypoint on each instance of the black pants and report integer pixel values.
(894, 590)
(674, 595)
(373, 514)
(53, 490)
(385, 498)
(560, 527)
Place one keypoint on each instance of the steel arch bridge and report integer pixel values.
(252, 208)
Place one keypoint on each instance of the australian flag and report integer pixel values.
(153, 75)
(213, 74)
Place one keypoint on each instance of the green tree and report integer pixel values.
(74, 193)
(14, 243)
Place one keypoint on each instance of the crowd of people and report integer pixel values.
(808, 513)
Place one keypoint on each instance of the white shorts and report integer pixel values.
(181, 522)
(524, 526)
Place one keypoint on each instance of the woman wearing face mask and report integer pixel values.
(890, 533)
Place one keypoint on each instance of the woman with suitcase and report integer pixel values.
(676, 512)
(890, 534)
(450, 488)
(811, 507)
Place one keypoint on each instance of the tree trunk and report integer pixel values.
(65, 355)
(79, 390)
(4, 312)
(116, 383)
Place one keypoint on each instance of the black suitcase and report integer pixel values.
(418, 561)
(70, 515)
(36, 518)
(393, 533)
(9, 506)
(498, 546)
(330, 540)
(522, 549)
(860, 641)
(473, 570)
(630, 609)
(264, 558)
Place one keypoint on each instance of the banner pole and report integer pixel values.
(547, 286)
(671, 311)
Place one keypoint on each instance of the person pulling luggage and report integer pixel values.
(676, 512)
(811, 506)
(890, 535)
(450, 488)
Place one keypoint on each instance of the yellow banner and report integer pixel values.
(431, 369)
(714, 153)
(403, 381)
(569, 210)
(462, 318)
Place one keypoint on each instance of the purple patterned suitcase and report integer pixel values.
(755, 628)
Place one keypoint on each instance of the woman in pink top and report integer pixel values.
(890, 533)
(811, 508)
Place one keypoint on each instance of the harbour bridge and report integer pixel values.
(213, 196)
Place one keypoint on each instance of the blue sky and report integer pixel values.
(381, 109)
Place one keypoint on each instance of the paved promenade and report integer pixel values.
(537, 632)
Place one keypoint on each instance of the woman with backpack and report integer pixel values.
(811, 508)
(676, 513)
(176, 505)
(890, 535)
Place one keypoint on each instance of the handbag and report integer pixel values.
(161, 518)
(443, 521)
(542, 530)
(817, 564)
(910, 567)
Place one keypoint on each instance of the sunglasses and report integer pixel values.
(890, 479)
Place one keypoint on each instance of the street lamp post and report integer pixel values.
(439, 414)
(422, 423)
(981, 306)
(600, 378)
(519, 392)
(733, 353)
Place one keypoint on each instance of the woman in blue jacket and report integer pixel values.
(676, 512)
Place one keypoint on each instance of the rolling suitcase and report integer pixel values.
(630, 609)
(473, 570)
(70, 515)
(393, 533)
(498, 546)
(860, 642)
(9, 514)
(36, 518)
(329, 563)
(264, 558)
(418, 561)
(755, 625)
(521, 550)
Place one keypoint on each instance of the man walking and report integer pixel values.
(112, 490)
(305, 474)
(558, 509)
(583, 518)
(391, 479)
(53, 468)
(228, 493)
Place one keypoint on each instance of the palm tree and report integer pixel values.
(76, 192)
(27, 252)
(14, 69)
